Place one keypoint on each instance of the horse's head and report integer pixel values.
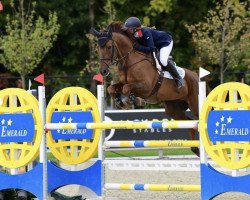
(114, 46)
(107, 50)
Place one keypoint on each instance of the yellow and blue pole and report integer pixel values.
(125, 125)
(153, 187)
(152, 143)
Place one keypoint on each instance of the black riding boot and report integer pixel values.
(173, 71)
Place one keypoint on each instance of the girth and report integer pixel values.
(157, 84)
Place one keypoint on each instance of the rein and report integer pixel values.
(116, 60)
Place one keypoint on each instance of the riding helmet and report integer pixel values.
(132, 22)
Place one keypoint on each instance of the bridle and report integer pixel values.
(116, 60)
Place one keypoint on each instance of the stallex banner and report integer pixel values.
(143, 134)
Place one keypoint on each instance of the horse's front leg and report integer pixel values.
(115, 91)
(128, 89)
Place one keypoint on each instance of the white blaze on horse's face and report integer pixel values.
(106, 54)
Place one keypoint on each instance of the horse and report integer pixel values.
(139, 78)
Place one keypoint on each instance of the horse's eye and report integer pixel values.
(108, 47)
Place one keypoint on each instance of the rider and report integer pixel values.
(150, 40)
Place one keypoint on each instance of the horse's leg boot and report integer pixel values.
(121, 101)
(173, 71)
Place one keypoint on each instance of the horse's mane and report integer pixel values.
(117, 26)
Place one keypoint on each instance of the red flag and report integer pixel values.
(40, 79)
(1, 6)
(98, 77)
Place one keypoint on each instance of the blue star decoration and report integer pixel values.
(8, 123)
(219, 122)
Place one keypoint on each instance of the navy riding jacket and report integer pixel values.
(152, 39)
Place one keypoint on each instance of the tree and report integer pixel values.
(221, 40)
(70, 50)
(27, 39)
(155, 8)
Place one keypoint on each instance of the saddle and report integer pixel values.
(165, 72)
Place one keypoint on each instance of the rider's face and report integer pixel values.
(137, 33)
(131, 31)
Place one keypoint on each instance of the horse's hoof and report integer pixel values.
(117, 106)
(196, 151)
(118, 103)
(121, 105)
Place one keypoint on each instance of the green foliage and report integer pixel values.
(223, 39)
(156, 8)
(182, 13)
(110, 11)
(27, 40)
(71, 49)
(75, 50)
(159, 6)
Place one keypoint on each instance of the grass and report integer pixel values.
(52, 158)
(136, 153)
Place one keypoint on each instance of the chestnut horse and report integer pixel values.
(138, 77)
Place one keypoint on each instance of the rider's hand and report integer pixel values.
(135, 46)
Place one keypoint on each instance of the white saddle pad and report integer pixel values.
(180, 70)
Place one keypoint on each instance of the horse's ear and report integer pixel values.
(109, 32)
(95, 32)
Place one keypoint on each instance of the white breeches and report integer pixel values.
(164, 53)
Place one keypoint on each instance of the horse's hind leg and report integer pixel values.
(193, 105)
(195, 150)
(177, 110)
